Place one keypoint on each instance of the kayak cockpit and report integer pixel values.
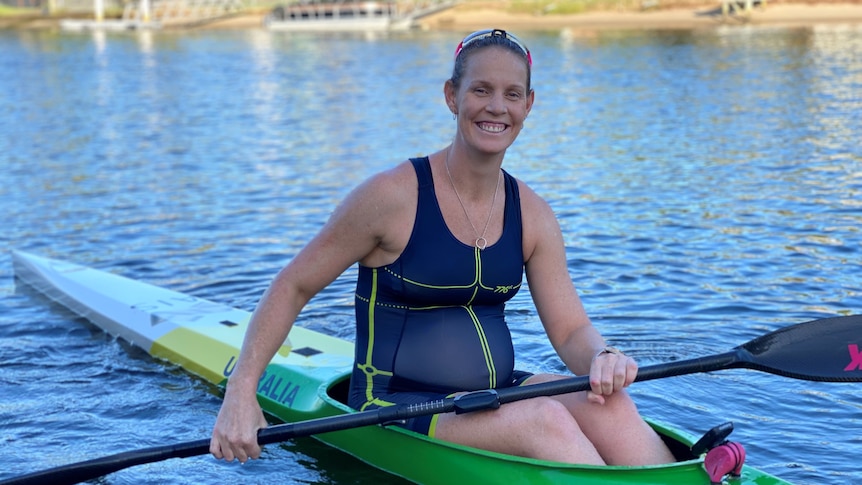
(680, 444)
(413, 456)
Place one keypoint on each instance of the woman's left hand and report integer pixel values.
(609, 373)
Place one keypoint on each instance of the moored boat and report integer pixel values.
(308, 379)
(350, 15)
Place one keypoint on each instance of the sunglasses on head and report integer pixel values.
(484, 34)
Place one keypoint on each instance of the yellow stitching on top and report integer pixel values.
(372, 303)
(436, 287)
(486, 349)
(370, 371)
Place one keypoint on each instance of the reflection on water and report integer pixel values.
(707, 183)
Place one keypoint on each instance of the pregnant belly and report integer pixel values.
(454, 349)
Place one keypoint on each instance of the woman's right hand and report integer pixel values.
(235, 433)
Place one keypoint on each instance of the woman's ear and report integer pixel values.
(530, 99)
(449, 94)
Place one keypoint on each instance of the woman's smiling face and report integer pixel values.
(492, 100)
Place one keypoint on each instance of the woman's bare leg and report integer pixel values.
(536, 428)
(565, 428)
(616, 429)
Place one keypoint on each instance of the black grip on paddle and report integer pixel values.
(477, 401)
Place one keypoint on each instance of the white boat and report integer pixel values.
(347, 15)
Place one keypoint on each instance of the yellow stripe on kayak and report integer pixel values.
(195, 352)
(204, 351)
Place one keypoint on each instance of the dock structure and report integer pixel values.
(352, 15)
(155, 14)
(739, 8)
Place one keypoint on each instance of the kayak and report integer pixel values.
(308, 378)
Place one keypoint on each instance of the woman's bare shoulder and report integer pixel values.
(390, 188)
(532, 204)
(397, 177)
(380, 211)
(380, 200)
(539, 223)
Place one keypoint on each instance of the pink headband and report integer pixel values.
(482, 34)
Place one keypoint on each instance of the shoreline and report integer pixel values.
(467, 18)
(705, 16)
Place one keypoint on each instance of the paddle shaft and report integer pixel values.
(819, 350)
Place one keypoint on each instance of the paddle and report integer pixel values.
(829, 349)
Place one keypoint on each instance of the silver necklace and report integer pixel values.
(481, 242)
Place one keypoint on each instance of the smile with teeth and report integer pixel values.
(491, 127)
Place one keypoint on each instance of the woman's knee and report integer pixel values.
(552, 418)
(620, 404)
(553, 433)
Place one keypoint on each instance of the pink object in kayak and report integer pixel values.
(724, 459)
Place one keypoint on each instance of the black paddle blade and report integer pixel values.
(88, 470)
(829, 349)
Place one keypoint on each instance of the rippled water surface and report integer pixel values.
(709, 186)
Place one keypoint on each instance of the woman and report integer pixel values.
(442, 243)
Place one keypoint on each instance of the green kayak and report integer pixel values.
(308, 378)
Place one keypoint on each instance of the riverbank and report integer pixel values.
(708, 15)
(470, 17)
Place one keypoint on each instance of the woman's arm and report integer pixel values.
(569, 329)
(366, 227)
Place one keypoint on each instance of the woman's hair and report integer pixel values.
(487, 38)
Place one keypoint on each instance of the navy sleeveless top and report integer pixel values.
(432, 321)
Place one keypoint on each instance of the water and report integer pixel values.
(707, 182)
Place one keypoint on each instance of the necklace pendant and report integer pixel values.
(481, 242)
